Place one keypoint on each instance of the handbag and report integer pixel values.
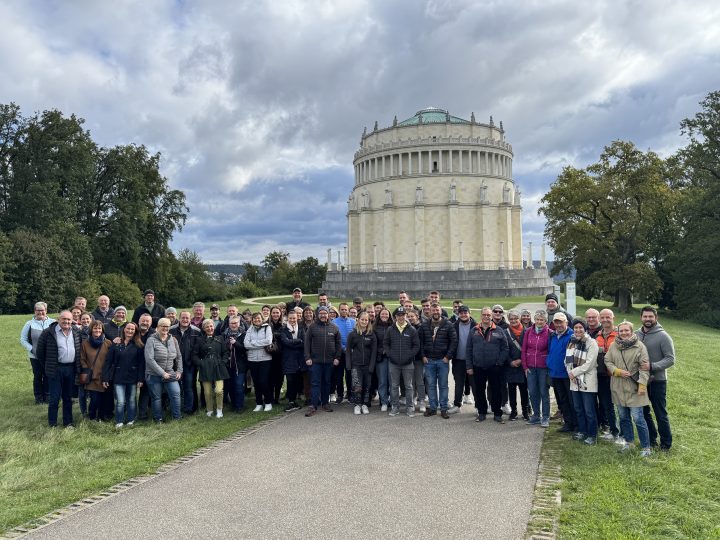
(271, 348)
(86, 374)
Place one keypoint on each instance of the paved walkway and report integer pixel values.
(336, 476)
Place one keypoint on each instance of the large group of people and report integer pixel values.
(609, 380)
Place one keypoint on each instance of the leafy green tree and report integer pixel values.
(310, 274)
(8, 288)
(274, 259)
(121, 290)
(697, 256)
(601, 220)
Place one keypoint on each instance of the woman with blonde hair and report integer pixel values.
(210, 355)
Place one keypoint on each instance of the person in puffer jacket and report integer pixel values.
(323, 350)
(360, 356)
(401, 344)
(487, 356)
(257, 338)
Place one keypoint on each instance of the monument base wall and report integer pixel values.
(450, 284)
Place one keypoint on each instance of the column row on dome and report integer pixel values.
(433, 162)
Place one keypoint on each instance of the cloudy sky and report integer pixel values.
(258, 107)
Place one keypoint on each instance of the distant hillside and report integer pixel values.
(236, 269)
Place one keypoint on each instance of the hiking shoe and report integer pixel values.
(533, 421)
(410, 411)
(327, 408)
(480, 418)
(394, 412)
(444, 414)
(311, 412)
(545, 423)
(590, 441)
(357, 409)
(498, 419)
(454, 409)
(365, 409)
(431, 412)
(292, 406)
(383, 408)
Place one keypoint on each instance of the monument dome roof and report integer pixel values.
(432, 115)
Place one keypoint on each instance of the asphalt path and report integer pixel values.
(336, 475)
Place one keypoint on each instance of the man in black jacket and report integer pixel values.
(463, 329)
(322, 351)
(297, 300)
(58, 351)
(487, 355)
(156, 311)
(401, 344)
(186, 334)
(438, 342)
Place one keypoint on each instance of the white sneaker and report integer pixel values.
(422, 408)
(607, 436)
(333, 398)
(219, 413)
(427, 399)
(268, 407)
(620, 441)
(454, 409)
(357, 409)
(258, 408)
(383, 408)
(466, 400)
(365, 409)
(131, 424)
(209, 413)
(119, 425)
(506, 408)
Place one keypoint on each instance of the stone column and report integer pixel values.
(460, 153)
(487, 163)
(450, 155)
(529, 265)
(329, 254)
(542, 256)
(440, 167)
(462, 263)
(345, 255)
(375, 263)
(416, 266)
(501, 264)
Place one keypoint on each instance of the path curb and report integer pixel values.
(547, 498)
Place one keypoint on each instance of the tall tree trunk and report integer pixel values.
(624, 300)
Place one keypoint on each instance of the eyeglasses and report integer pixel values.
(163, 326)
(498, 311)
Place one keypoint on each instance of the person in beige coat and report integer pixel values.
(629, 385)
(581, 365)
(92, 359)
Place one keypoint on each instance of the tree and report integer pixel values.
(120, 289)
(310, 274)
(601, 220)
(274, 259)
(8, 289)
(693, 266)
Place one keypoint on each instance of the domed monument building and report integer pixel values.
(434, 206)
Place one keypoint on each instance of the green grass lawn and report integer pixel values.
(670, 495)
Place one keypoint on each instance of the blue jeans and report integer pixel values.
(320, 381)
(125, 401)
(155, 387)
(381, 368)
(236, 383)
(627, 428)
(61, 387)
(539, 392)
(436, 374)
(584, 403)
(657, 391)
(189, 388)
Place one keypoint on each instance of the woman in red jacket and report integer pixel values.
(534, 352)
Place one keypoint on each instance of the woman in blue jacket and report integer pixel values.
(125, 369)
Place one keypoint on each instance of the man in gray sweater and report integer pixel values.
(662, 356)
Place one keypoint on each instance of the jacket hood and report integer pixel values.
(654, 330)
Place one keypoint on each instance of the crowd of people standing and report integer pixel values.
(605, 376)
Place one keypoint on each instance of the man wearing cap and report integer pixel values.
(401, 344)
(345, 324)
(297, 300)
(552, 306)
(358, 303)
(155, 310)
(103, 312)
(498, 319)
(186, 335)
(463, 328)
(171, 315)
(114, 326)
(215, 317)
(558, 373)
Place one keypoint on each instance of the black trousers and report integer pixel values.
(564, 401)
(294, 384)
(463, 383)
(261, 379)
(40, 381)
(493, 378)
(524, 399)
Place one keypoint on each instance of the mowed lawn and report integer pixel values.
(604, 494)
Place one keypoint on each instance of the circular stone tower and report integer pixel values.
(434, 206)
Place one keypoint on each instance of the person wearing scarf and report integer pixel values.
(581, 365)
(92, 359)
(514, 373)
(292, 338)
(628, 385)
(210, 355)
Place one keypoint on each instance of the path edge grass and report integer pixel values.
(126, 485)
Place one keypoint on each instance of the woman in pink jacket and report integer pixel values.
(533, 355)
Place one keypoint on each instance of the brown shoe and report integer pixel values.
(311, 411)
(327, 408)
(430, 412)
(444, 414)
